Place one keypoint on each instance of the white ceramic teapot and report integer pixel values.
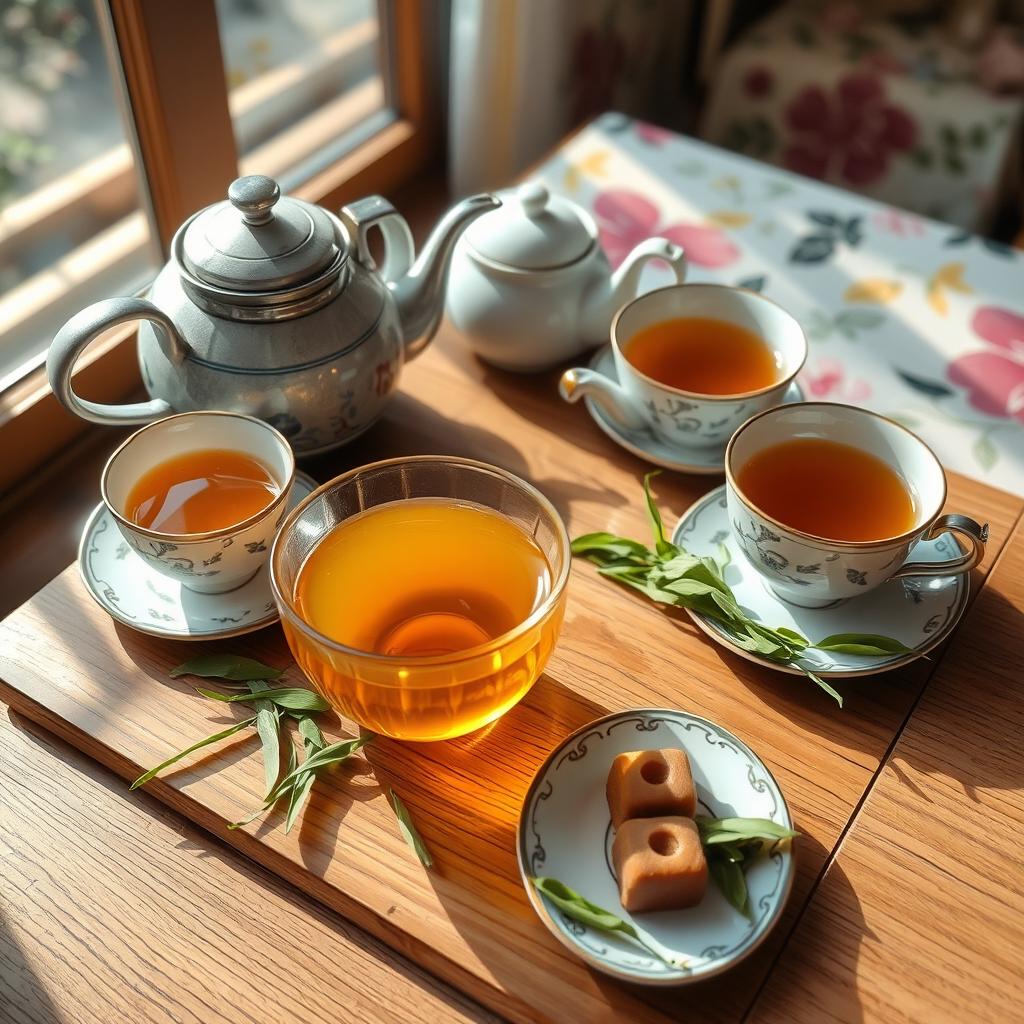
(530, 286)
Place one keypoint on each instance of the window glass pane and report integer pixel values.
(305, 81)
(71, 226)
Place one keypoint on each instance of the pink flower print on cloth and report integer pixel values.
(625, 219)
(827, 379)
(652, 134)
(994, 379)
(849, 135)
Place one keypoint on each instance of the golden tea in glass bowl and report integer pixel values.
(422, 597)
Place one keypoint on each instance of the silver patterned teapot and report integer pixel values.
(274, 307)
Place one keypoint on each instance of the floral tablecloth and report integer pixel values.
(891, 110)
(907, 316)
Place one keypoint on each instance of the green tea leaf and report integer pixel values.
(724, 557)
(311, 735)
(332, 754)
(678, 566)
(302, 783)
(731, 883)
(674, 576)
(661, 544)
(226, 666)
(579, 908)
(688, 588)
(297, 796)
(408, 829)
(870, 644)
(223, 734)
(741, 828)
(268, 726)
(292, 698)
(793, 637)
(830, 690)
(609, 546)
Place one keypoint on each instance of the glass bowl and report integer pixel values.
(431, 697)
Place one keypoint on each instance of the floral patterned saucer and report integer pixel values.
(130, 590)
(645, 445)
(920, 612)
(565, 832)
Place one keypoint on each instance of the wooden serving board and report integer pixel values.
(106, 689)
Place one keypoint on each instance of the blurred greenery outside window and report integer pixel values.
(305, 82)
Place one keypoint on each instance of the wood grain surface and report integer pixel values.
(112, 909)
(106, 690)
(921, 915)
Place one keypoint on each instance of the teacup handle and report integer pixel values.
(964, 526)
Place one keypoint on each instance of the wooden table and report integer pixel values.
(904, 799)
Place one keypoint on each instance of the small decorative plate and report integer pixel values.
(129, 589)
(565, 832)
(921, 612)
(645, 445)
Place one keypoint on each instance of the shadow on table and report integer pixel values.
(815, 964)
(411, 427)
(22, 992)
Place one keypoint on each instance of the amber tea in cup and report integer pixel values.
(422, 597)
(829, 490)
(202, 490)
(703, 355)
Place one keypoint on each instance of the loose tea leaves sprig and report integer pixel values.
(669, 574)
(409, 831)
(579, 908)
(271, 704)
(731, 845)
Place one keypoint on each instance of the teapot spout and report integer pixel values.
(419, 293)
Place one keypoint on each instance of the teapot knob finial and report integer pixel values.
(534, 198)
(254, 197)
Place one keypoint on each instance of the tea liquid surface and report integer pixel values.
(703, 355)
(200, 491)
(828, 489)
(425, 576)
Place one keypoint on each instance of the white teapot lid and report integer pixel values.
(532, 230)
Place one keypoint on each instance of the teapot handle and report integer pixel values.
(92, 321)
(399, 249)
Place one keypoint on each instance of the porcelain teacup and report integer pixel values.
(688, 419)
(815, 572)
(218, 560)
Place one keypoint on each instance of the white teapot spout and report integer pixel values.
(606, 297)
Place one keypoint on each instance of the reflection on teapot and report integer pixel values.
(274, 307)
(531, 287)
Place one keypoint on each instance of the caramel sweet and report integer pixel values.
(646, 783)
(659, 863)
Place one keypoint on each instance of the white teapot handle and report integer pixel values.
(91, 322)
(626, 279)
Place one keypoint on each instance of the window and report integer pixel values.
(119, 118)
(71, 222)
(303, 76)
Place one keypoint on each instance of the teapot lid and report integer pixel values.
(259, 241)
(532, 230)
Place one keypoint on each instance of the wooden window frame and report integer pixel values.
(187, 164)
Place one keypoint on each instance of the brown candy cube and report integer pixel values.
(659, 863)
(646, 783)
